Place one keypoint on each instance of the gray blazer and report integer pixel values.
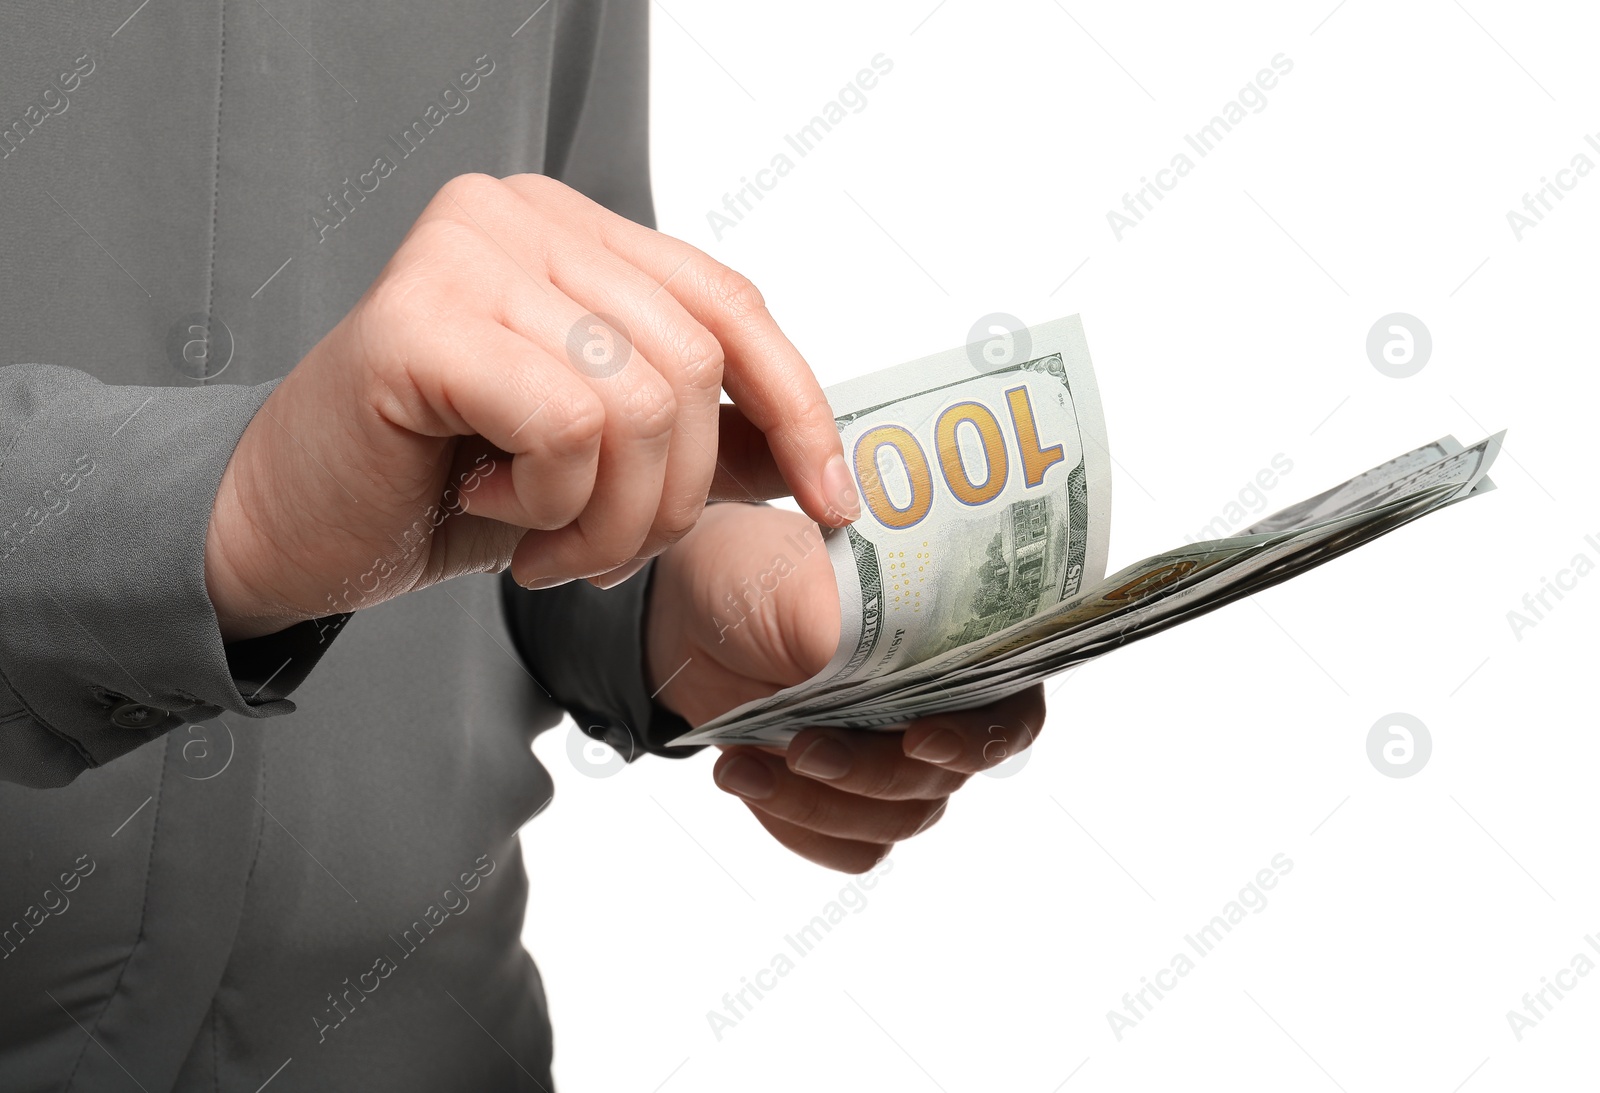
(204, 884)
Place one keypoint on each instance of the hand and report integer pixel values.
(471, 412)
(745, 605)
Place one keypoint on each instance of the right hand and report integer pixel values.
(472, 376)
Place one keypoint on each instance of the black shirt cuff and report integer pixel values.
(585, 647)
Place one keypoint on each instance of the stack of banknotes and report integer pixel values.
(977, 566)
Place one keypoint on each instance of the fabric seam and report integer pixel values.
(216, 172)
(144, 908)
(244, 901)
(72, 742)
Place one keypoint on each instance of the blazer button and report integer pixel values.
(136, 715)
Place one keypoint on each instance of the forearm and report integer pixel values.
(108, 637)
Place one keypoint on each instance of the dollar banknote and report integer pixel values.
(977, 566)
(1182, 584)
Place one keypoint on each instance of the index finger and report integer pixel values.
(746, 470)
(763, 372)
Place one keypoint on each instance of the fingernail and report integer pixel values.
(826, 758)
(942, 746)
(539, 584)
(620, 574)
(746, 777)
(839, 489)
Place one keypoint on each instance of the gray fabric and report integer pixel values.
(193, 899)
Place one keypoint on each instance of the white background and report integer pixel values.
(1228, 327)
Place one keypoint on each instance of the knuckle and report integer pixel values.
(649, 408)
(806, 807)
(423, 282)
(808, 407)
(529, 180)
(436, 248)
(399, 293)
(471, 187)
(535, 187)
(700, 359)
(881, 781)
(432, 235)
(575, 426)
(732, 293)
(672, 527)
(405, 301)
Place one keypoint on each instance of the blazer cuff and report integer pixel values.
(585, 647)
(108, 638)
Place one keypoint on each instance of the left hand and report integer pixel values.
(746, 605)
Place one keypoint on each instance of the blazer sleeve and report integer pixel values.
(108, 638)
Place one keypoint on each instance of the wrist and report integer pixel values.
(240, 613)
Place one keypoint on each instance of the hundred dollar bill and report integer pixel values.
(1258, 561)
(1115, 612)
(1145, 598)
(986, 495)
(976, 567)
(1365, 489)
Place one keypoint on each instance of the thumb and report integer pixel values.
(806, 613)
